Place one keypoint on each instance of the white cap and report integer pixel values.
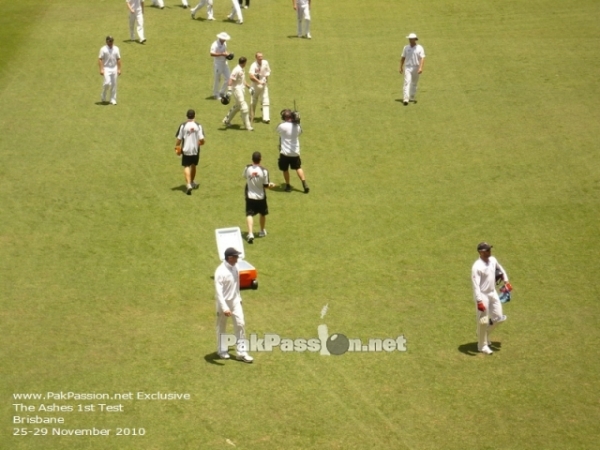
(412, 36)
(223, 36)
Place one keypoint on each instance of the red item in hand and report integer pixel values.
(480, 306)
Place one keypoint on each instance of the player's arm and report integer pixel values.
(402, 59)
(219, 282)
(294, 3)
(421, 64)
(118, 66)
(129, 6)
(101, 66)
(476, 279)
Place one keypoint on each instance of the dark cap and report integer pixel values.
(109, 38)
(231, 252)
(484, 246)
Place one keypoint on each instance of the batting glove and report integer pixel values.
(480, 306)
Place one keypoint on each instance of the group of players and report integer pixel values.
(486, 270)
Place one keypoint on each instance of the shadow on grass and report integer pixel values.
(102, 103)
(181, 188)
(213, 358)
(470, 349)
(281, 188)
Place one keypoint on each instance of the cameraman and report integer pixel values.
(289, 147)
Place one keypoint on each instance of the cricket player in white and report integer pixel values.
(136, 14)
(209, 9)
(109, 63)
(229, 304)
(302, 8)
(259, 76)
(489, 307)
(237, 85)
(236, 11)
(411, 64)
(218, 50)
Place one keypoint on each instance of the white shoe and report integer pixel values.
(188, 189)
(250, 129)
(250, 238)
(102, 99)
(308, 36)
(226, 122)
(113, 102)
(210, 18)
(223, 355)
(240, 22)
(245, 358)
(230, 17)
(193, 14)
(263, 233)
(486, 350)
(195, 185)
(245, 7)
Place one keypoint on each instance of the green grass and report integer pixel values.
(105, 275)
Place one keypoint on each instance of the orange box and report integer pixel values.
(232, 237)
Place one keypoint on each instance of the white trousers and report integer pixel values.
(494, 312)
(240, 105)
(110, 82)
(209, 8)
(261, 94)
(303, 14)
(411, 78)
(139, 18)
(237, 314)
(220, 70)
(236, 11)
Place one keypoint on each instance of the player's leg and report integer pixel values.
(113, 84)
(413, 83)
(307, 20)
(132, 17)
(140, 26)
(482, 328)
(250, 219)
(407, 83)
(495, 312)
(239, 328)
(243, 106)
(217, 73)
(238, 11)
(226, 74)
(106, 85)
(221, 325)
(209, 10)
(299, 15)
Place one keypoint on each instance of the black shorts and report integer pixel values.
(286, 162)
(254, 207)
(187, 161)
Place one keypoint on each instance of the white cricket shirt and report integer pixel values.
(257, 177)
(413, 55)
